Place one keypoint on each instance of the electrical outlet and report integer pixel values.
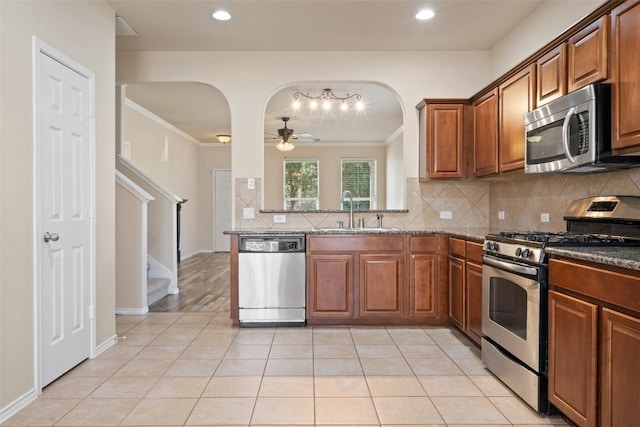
(248, 213)
(279, 219)
(501, 215)
(251, 184)
(446, 215)
(544, 217)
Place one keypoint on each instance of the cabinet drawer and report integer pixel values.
(456, 247)
(356, 244)
(474, 251)
(423, 244)
(615, 287)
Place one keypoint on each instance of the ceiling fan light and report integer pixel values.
(296, 104)
(285, 146)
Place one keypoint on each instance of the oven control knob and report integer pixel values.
(492, 246)
(518, 252)
(526, 253)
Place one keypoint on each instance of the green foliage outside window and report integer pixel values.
(301, 185)
(358, 176)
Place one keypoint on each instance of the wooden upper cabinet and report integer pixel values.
(516, 99)
(587, 55)
(551, 75)
(445, 140)
(485, 134)
(625, 78)
(441, 139)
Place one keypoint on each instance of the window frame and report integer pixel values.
(285, 199)
(373, 181)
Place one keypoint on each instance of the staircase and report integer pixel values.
(157, 288)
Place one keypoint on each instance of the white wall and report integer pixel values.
(329, 172)
(84, 31)
(395, 173)
(248, 79)
(171, 159)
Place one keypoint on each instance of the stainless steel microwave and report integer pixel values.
(573, 134)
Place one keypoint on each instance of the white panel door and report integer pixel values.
(64, 190)
(222, 212)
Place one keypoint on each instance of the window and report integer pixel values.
(359, 177)
(301, 185)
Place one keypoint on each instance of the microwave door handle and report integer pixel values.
(565, 134)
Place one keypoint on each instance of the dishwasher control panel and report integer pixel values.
(272, 243)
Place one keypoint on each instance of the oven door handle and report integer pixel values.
(509, 266)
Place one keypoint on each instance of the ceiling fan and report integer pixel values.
(285, 134)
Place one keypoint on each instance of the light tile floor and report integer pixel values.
(194, 369)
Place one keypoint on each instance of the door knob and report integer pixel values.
(54, 237)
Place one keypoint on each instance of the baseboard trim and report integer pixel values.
(100, 348)
(141, 310)
(17, 405)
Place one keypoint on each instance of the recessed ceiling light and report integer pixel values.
(425, 14)
(221, 15)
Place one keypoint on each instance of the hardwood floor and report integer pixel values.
(203, 280)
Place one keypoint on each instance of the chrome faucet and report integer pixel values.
(347, 193)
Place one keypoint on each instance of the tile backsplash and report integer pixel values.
(523, 200)
(472, 204)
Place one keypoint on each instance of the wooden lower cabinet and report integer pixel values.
(376, 279)
(573, 358)
(456, 291)
(594, 343)
(473, 300)
(334, 298)
(619, 370)
(465, 287)
(381, 285)
(422, 290)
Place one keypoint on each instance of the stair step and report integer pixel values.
(157, 288)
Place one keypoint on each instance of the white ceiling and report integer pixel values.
(303, 25)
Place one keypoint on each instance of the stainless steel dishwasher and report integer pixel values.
(271, 280)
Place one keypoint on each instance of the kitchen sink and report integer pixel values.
(356, 230)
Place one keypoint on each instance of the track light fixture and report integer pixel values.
(326, 99)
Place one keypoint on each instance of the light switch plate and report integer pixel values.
(251, 184)
(279, 219)
(446, 215)
(501, 215)
(248, 213)
(544, 217)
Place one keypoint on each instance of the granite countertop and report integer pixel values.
(617, 256)
(476, 234)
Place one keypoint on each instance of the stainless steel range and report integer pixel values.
(515, 289)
